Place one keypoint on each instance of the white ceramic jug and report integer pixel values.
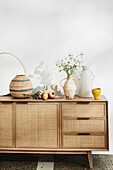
(86, 82)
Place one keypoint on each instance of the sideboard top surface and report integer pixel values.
(63, 99)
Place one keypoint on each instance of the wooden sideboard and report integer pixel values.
(55, 126)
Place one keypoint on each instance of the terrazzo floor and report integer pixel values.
(61, 162)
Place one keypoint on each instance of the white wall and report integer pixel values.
(48, 30)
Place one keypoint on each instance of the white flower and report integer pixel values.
(69, 72)
(68, 66)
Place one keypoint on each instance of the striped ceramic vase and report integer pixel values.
(21, 87)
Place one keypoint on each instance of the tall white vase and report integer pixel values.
(86, 82)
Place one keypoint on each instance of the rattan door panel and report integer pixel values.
(37, 125)
(84, 141)
(6, 125)
(90, 125)
(84, 110)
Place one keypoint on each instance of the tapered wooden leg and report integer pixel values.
(90, 160)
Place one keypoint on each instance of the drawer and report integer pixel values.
(84, 125)
(91, 109)
(84, 141)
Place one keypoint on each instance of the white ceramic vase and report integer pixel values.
(86, 82)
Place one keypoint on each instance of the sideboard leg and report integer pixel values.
(90, 160)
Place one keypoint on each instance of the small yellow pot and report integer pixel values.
(96, 93)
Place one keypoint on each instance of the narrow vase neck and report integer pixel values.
(69, 76)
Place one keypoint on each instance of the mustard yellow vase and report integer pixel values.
(96, 93)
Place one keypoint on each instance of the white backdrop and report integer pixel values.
(40, 32)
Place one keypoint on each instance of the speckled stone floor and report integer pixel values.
(61, 162)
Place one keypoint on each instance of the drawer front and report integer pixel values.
(84, 110)
(84, 141)
(90, 125)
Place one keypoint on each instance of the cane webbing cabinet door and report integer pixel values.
(6, 125)
(37, 125)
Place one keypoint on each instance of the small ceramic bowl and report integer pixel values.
(96, 93)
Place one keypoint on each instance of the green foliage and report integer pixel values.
(37, 95)
(69, 64)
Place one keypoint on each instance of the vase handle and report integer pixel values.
(61, 81)
(75, 79)
(93, 76)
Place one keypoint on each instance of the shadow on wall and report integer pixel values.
(45, 75)
(41, 74)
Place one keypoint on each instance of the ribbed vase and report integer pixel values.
(21, 87)
(69, 87)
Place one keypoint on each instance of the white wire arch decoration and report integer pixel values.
(16, 58)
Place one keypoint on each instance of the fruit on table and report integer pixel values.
(44, 96)
(51, 95)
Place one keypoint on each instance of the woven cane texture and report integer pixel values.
(6, 125)
(83, 110)
(84, 141)
(91, 125)
(37, 125)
